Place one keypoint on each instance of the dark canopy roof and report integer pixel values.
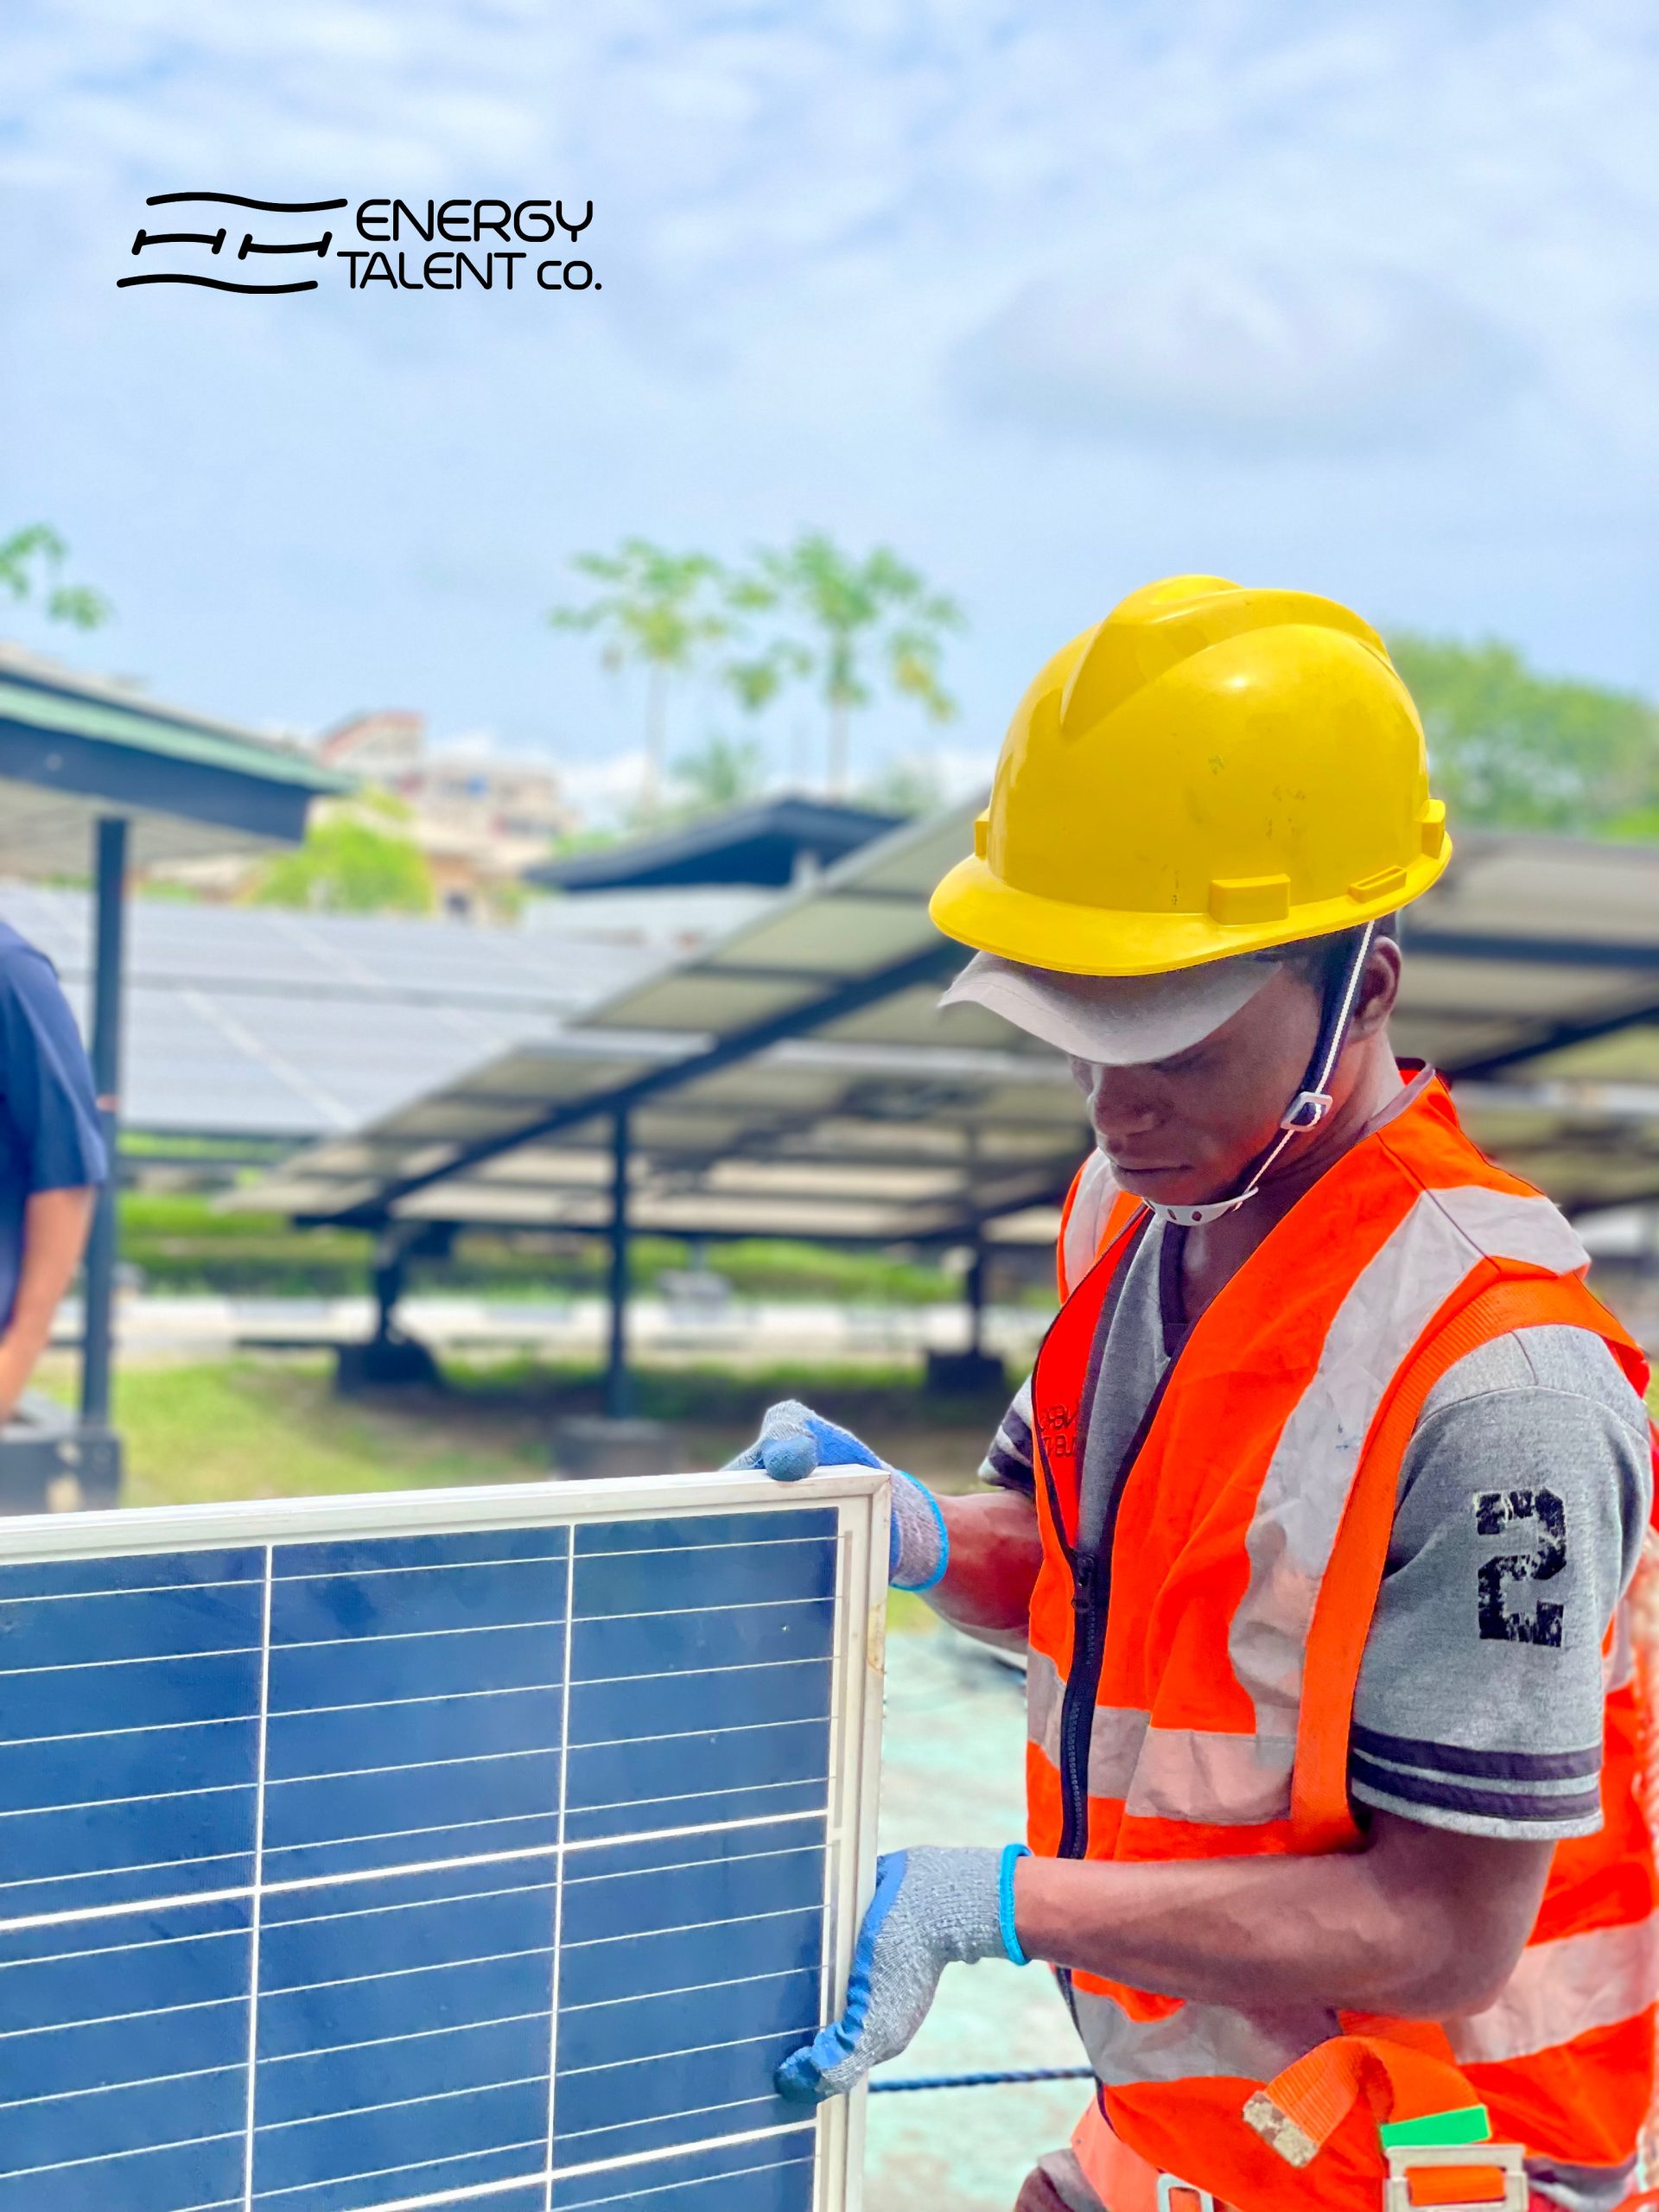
(73, 747)
(767, 844)
(798, 1077)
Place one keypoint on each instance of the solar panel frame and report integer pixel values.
(101, 1551)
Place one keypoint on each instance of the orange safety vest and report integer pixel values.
(1251, 1531)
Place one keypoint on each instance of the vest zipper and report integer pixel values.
(1091, 1590)
(1077, 1708)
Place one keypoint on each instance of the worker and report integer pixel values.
(1319, 1512)
(51, 1157)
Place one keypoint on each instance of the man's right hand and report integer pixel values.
(795, 1442)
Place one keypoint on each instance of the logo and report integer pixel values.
(421, 245)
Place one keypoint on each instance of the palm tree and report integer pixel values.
(660, 610)
(853, 611)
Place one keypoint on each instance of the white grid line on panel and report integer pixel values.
(665, 2119)
(130, 2151)
(689, 1989)
(464, 1697)
(420, 1766)
(414, 1905)
(461, 1566)
(139, 1659)
(253, 2059)
(479, 2192)
(110, 2019)
(558, 1880)
(396, 1974)
(692, 1735)
(684, 2050)
(142, 1797)
(295, 1884)
(142, 1728)
(109, 2088)
(383, 2173)
(688, 1927)
(672, 2150)
(142, 1590)
(410, 2035)
(678, 1865)
(109, 1874)
(396, 2104)
(487, 1628)
(703, 2181)
(398, 1704)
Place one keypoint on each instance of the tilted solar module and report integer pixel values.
(476, 1847)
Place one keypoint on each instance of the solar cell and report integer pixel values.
(484, 1847)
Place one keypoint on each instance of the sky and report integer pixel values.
(1053, 299)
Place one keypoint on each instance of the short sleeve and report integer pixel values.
(45, 1081)
(1524, 1498)
(1008, 1463)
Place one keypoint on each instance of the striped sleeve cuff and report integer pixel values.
(1513, 1793)
(1008, 1463)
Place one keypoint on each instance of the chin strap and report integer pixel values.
(1310, 1105)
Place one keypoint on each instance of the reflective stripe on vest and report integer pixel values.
(1256, 1515)
(1299, 1507)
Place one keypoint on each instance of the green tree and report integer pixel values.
(1512, 749)
(30, 560)
(723, 772)
(848, 618)
(349, 865)
(908, 787)
(659, 611)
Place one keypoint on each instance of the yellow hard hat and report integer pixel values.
(1211, 770)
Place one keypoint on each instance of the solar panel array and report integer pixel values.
(349, 1865)
(251, 1021)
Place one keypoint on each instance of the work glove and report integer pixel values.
(931, 1906)
(795, 1442)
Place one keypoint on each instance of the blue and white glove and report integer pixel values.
(931, 1906)
(795, 1442)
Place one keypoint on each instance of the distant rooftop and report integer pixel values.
(770, 845)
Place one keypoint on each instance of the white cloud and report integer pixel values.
(1252, 356)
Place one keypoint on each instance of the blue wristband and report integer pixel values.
(1012, 1854)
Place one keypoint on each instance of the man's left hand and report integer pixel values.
(931, 1906)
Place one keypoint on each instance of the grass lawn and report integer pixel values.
(270, 1426)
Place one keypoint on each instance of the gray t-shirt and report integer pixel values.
(1523, 1495)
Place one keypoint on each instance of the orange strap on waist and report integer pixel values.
(1301, 2109)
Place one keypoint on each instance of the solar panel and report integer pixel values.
(481, 1847)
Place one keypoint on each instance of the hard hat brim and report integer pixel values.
(979, 909)
(1113, 1021)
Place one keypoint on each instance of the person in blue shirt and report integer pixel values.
(52, 1156)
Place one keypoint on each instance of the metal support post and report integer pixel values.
(617, 1392)
(976, 1289)
(110, 852)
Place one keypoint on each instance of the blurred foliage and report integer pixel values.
(178, 1243)
(349, 864)
(654, 610)
(908, 787)
(724, 772)
(1511, 749)
(30, 559)
(846, 620)
(846, 627)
